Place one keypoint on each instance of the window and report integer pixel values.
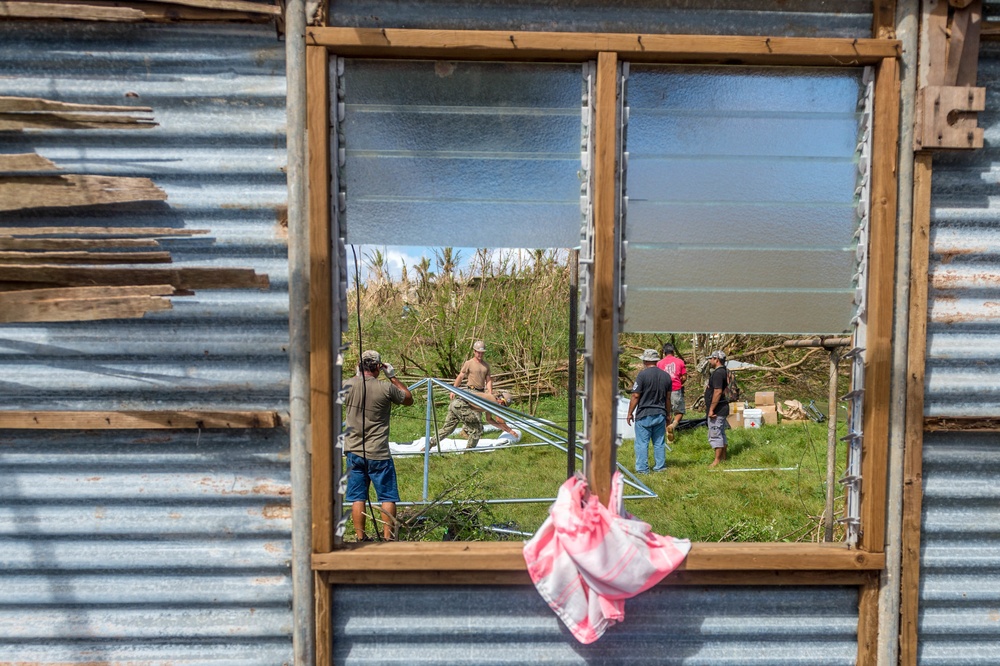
(602, 251)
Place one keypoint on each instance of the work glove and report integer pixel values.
(388, 370)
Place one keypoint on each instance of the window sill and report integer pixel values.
(503, 562)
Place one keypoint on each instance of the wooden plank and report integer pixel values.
(8, 243)
(320, 293)
(82, 257)
(478, 556)
(81, 309)
(37, 295)
(228, 6)
(137, 420)
(884, 19)
(881, 281)
(676, 579)
(968, 64)
(180, 278)
(26, 192)
(961, 424)
(100, 231)
(605, 383)
(868, 622)
(45, 10)
(11, 162)
(71, 121)
(580, 46)
(934, 33)
(909, 605)
(324, 628)
(31, 104)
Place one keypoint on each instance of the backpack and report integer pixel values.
(732, 391)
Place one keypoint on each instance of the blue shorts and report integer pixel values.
(381, 473)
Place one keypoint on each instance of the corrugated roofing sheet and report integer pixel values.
(963, 335)
(145, 547)
(806, 18)
(218, 96)
(665, 625)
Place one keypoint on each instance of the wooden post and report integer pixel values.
(605, 373)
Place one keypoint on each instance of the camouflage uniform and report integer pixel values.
(461, 412)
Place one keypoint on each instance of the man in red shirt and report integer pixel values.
(674, 366)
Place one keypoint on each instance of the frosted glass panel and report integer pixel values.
(465, 154)
(741, 199)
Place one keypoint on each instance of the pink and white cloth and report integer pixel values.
(587, 559)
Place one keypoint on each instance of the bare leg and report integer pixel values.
(358, 514)
(389, 516)
(720, 455)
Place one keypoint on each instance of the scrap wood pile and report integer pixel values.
(72, 272)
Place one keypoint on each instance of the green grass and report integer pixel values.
(719, 504)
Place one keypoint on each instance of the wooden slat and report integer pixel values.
(605, 384)
(180, 278)
(320, 286)
(678, 578)
(968, 64)
(137, 420)
(961, 424)
(16, 309)
(8, 243)
(100, 231)
(26, 192)
(32, 104)
(322, 598)
(868, 622)
(934, 34)
(881, 286)
(22, 121)
(38, 295)
(909, 605)
(26, 258)
(26, 10)
(320, 328)
(580, 46)
(12, 163)
(884, 19)
(402, 557)
(228, 6)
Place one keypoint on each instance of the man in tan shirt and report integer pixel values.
(476, 371)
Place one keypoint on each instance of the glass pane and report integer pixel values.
(462, 153)
(741, 199)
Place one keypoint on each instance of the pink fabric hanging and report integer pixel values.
(586, 559)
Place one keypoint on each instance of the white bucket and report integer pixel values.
(752, 418)
(625, 431)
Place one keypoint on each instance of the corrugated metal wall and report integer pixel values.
(803, 18)
(155, 546)
(665, 625)
(218, 94)
(959, 620)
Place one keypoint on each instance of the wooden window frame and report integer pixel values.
(707, 563)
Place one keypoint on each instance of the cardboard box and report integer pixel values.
(770, 418)
(735, 420)
(763, 398)
(768, 409)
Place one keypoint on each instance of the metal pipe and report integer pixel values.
(831, 447)
(427, 439)
(907, 31)
(574, 280)
(303, 629)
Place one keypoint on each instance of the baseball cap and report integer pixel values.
(371, 355)
(668, 348)
(718, 354)
(650, 355)
(505, 396)
(479, 345)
